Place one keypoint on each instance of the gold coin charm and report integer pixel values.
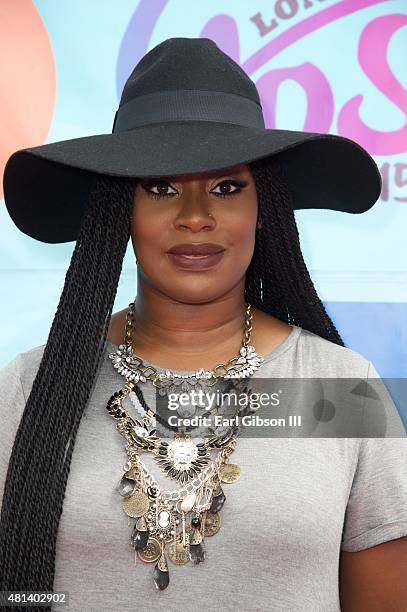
(152, 552)
(229, 472)
(136, 504)
(178, 553)
(212, 523)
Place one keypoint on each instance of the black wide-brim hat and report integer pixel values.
(187, 107)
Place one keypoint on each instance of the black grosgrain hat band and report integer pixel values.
(188, 105)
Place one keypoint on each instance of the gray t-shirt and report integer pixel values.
(298, 503)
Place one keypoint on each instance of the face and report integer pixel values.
(210, 216)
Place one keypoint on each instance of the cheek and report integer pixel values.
(241, 237)
(244, 232)
(146, 231)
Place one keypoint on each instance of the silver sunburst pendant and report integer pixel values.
(182, 458)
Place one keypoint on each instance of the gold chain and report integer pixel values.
(218, 371)
(130, 319)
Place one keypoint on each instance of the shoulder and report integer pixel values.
(21, 370)
(16, 378)
(24, 361)
(332, 358)
(310, 354)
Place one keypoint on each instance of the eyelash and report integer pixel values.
(157, 196)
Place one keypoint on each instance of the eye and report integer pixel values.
(227, 184)
(161, 186)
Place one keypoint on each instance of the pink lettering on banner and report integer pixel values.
(373, 47)
(401, 179)
(320, 107)
(223, 30)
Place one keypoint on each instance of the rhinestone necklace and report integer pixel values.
(132, 367)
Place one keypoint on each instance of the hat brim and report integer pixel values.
(46, 187)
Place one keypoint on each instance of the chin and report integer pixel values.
(189, 294)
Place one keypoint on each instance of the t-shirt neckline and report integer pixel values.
(287, 343)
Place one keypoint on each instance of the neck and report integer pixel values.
(195, 334)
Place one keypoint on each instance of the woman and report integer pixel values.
(190, 166)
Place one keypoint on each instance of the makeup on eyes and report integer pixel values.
(236, 183)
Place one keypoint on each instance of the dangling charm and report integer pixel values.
(229, 473)
(136, 504)
(218, 499)
(196, 545)
(139, 537)
(161, 573)
(212, 524)
(126, 486)
(177, 552)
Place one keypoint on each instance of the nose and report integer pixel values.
(195, 213)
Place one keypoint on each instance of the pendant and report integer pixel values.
(161, 573)
(196, 545)
(126, 486)
(160, 521)
(178, 553)
(136, 504)
(188, 502)
(197, 553)
(139, 537)
(229, 473)
(217, 501)
(151, 552)
(181, 458)
(212, 524)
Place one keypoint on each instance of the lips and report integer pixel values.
(196, 262)
(196, 248)
(196, 256)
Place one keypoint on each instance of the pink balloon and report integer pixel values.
(27, 77)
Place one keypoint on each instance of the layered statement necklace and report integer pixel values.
(174, 521)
